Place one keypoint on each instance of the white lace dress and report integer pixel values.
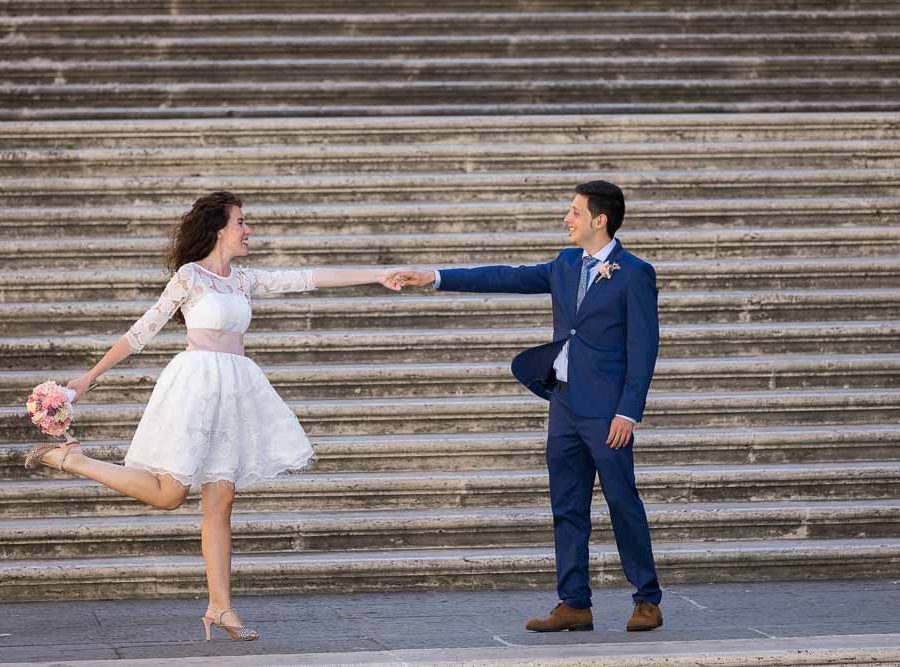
(213, 415)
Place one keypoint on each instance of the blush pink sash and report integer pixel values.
(215, 340)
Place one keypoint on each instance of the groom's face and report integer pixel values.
(578, 223)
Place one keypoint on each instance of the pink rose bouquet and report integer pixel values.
(50, 408)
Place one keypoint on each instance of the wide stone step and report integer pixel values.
(462, 158)
(431, 186)
(498, 247)
(442, 569)
(309, 532)
(518, 449)
(302, 314)
(312, 382)
(468, 45)
(362, 7)
(720, 274)
(389, 98)
(424, 131)
(458, 345)
(473, 414)
(372, 491)
(428, 22)
(457, 69)
(136, 222)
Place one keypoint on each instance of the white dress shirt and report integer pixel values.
(561, 363)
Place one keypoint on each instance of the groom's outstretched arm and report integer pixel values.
(530, 279)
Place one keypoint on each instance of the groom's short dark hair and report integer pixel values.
(604, 197)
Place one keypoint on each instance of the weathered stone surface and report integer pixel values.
(155, 220)
(341, 381)
(289, 62)
(510, 20)
(511, 186)
(491, 569)
(456, 69)
(773, 417)
(509, 412)
(527, 247)
(370, 9)
(419, 490)
(430, 132)
(47, 102)
(679, 341)
(706, 275)
(522, 45)
(19, 319)
(525, 449)
(317, 531)
(282, 160)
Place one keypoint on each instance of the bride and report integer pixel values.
(213, 419)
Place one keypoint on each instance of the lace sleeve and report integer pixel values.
(273, 282)
(172, 298)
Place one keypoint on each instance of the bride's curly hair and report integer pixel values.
(195, 235)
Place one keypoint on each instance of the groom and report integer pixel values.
(596, 374)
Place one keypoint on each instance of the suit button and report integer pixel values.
(572, 332)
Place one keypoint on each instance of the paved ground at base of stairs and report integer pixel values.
(391, 627)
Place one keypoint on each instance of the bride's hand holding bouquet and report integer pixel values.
(80, 386)
(50, 409)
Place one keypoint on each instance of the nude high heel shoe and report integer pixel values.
(34, 456)
(236, 633)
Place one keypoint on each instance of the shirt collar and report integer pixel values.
(603, 253)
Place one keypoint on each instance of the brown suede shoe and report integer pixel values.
(563, 617)
(646, 616)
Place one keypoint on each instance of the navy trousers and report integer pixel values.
(576, 453)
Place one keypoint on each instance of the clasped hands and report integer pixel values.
(397, 279)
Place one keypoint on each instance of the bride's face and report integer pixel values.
(235, 238)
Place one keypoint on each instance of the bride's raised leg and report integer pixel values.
(159, 491)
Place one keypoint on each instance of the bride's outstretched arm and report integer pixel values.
(116, 354)
(348, 277)
(141, 332)
(275, 281)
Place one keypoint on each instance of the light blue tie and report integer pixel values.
(587, 263)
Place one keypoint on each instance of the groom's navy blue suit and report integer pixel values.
(613, 343)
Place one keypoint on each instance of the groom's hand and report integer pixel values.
(619, 433)
(416, 278)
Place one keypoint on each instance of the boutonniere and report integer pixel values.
(606, 270)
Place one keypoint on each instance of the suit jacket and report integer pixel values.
(613, 338)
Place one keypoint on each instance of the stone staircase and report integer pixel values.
(771, 445)
(177, 58)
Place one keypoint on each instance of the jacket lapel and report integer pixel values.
(597, 286)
